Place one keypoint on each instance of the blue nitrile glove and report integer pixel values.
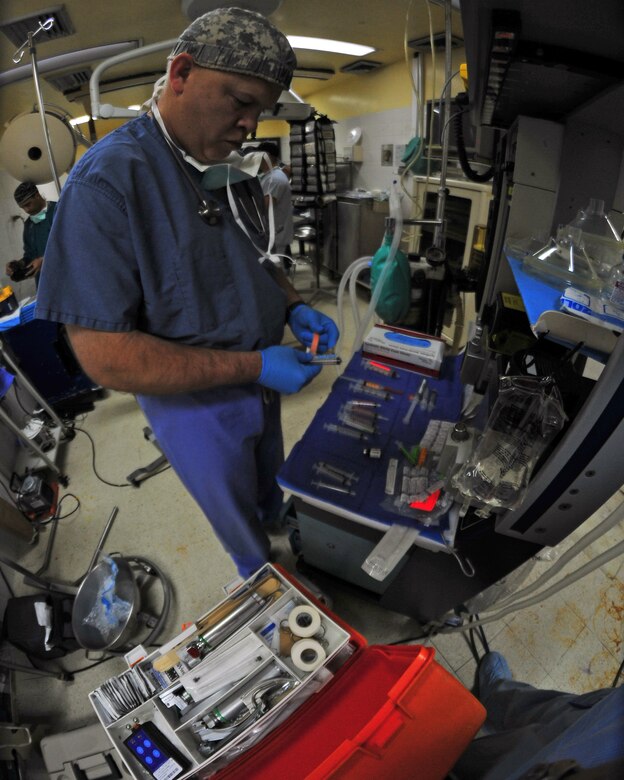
(286, 370)
(305, 321)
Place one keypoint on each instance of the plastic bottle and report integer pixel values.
(594, 219)
(599, 237)
(613, 291)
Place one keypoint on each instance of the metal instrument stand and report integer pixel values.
(69, 589)
(316, 291)
(154, 623)
(60, 431)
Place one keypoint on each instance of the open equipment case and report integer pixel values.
(270, 683)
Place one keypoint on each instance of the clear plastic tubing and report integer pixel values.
(397, 215)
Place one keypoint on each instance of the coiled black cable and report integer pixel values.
(458, 129)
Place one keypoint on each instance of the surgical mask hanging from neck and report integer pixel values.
(232, 170)
(232, 175)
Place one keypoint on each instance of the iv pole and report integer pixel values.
(17, 57)
(436, 254)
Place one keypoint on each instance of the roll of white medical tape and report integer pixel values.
(304, 621)
(307, 655)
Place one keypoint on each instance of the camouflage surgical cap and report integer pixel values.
(239, 41)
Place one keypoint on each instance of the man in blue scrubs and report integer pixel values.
(159, 264)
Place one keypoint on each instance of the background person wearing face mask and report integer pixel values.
(36, 231)
(161, 274)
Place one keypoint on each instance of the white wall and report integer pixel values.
(394, 127)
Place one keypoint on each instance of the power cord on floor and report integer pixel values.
(470, 635)
(57, 514)
(407, 640)
(67, 675)
(105, 481)
(70, 673)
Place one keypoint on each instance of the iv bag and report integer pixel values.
(526, 416)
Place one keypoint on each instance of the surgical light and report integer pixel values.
(326, 44)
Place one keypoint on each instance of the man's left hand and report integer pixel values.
(34, 266)
(305, 321)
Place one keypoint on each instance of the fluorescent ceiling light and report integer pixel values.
(313, 73)
(79, 120)
(325, 44)
(134, 107)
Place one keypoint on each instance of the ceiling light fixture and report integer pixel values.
(313, 73)
(326, 44)
(361, 66)
(289, 106)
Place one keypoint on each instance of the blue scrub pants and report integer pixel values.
(226, 446)
(527, 726)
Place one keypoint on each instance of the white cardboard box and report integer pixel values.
(405, 348)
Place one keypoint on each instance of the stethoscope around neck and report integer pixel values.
(212, 212)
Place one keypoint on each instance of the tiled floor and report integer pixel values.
(571, 641)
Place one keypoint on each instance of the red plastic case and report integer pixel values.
(390, 712)
(387, 711)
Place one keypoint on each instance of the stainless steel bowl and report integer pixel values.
(103, 617)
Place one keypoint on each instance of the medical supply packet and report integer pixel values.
(592, 308)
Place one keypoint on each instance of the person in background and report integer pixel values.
(36, 232)
(159, 264)
(286, 168)
(276, 187)
(534, 734)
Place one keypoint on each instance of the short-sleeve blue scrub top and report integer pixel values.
(128, 251)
